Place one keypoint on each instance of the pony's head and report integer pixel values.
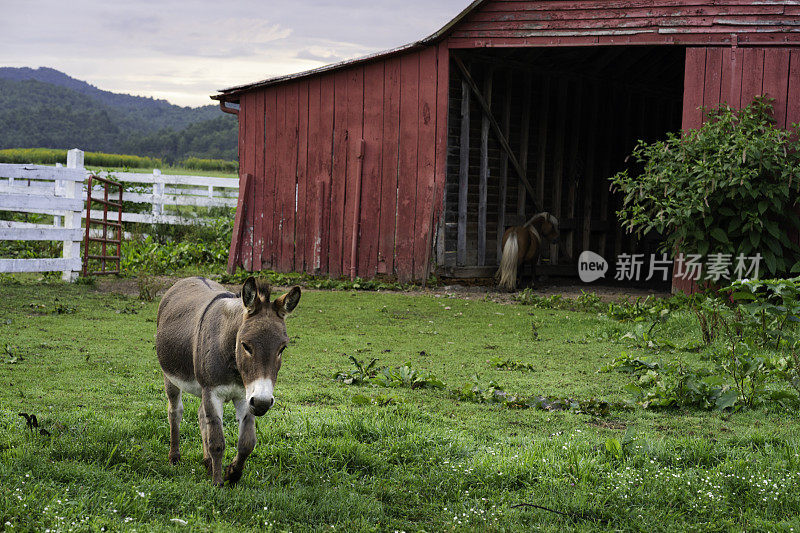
(547, 226)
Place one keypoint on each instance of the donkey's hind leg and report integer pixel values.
(174, 415)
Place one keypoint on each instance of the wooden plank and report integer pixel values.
(793, 89)
(720, 37)
(339, 174)
(426, 160)
(600, 12)
(40, 234)
(573, 176)
(314, 206)
(463, 176)
(42, 172)
(442, 112)
(558, 161)
(247, 165)
(608, 136)
(752, 75)
(374, 74)
(303, 177)
(355, 132)
(693, 83)
(267, 132)
(712, 89)
(503, 186)
(390, 167)
(776, 81)
(40, 265)
(239, 222)
(524, 142)
(590, 173)
(50, 202)
(327, 103)
(483, 177)
(287, 175)
(407, 179)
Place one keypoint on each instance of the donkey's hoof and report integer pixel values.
(232, 474)
(174, 458)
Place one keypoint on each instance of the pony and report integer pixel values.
(221, 347)
(524, 243)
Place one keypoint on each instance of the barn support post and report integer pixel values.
(541, 157)
(493, 122)
(463, 176)
(589, 174)
(356, 212)
(484, 172)
(501, 211)
(235, 249)
(523, 141)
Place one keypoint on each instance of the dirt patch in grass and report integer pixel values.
(463, 289)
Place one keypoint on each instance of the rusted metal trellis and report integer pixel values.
(114, 238)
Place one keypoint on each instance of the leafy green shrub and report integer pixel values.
(508, 364)
(729, 187)
(660, 385)
(769, 307)
(494, 393)
(360, 375)
(404, 376)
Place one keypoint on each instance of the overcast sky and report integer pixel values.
(184, 51)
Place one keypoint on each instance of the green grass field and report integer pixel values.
(327, 459)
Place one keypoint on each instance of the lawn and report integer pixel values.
(361, 458)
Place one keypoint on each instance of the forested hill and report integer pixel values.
(45, 108)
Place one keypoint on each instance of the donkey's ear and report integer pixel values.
(285, 304)
(250, 294)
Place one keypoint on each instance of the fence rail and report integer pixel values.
(60, 192)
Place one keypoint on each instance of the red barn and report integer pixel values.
(411, 162)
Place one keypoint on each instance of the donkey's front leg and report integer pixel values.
(246, 443)
(215, 438)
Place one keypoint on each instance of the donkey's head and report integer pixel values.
(261, 340)
(547, 225)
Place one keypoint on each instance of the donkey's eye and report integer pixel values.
(247, 348)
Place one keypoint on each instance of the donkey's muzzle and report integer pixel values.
(260, 406)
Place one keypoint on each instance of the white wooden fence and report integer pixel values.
(58, 191)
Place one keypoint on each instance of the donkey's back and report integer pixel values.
(184, 308)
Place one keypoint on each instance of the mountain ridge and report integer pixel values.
(46, 108)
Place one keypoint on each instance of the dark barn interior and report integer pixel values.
(570, 117)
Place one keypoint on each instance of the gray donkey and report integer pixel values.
(220, 347)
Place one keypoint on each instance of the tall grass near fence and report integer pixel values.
(51, 156)
(195, 163)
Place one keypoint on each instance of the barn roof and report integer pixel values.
(234, 91)
(580, 22)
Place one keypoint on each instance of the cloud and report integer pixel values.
(186, 50)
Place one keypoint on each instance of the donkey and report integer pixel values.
(524, 243)
(220, 347)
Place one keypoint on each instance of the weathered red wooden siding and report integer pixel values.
(585, 22)
(734, 76)
(304, 137)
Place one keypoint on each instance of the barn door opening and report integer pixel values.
(542, 129)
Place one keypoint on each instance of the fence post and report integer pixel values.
(72, 219)
(158, 193)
